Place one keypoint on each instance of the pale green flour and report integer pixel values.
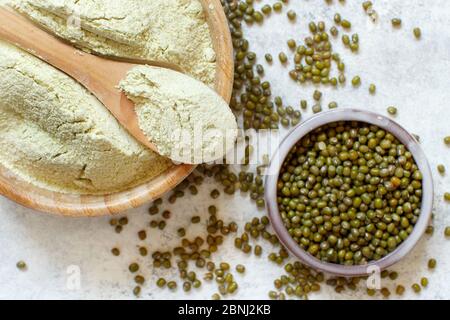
(184, 118)
(173, 31)
(57, 135)
(53, 132)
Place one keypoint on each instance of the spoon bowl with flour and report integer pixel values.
(177, 116)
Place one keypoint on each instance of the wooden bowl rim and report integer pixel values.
(75, 205)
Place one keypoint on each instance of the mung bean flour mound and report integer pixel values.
(172, 31)
(186, 120)
(57, 135)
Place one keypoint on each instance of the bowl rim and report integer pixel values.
(349, 115)
(76, 205)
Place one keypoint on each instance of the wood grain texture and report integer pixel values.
(74, 205)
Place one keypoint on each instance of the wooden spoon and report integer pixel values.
(100, 76)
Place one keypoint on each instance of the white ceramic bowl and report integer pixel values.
(349, 115)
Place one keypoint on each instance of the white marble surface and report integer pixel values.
(412, 75)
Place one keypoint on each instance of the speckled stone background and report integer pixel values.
(410, 74)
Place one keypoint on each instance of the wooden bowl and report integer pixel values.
(75, 205)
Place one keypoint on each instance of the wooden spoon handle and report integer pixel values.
(19, 31)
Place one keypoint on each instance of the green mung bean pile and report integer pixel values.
(349, 193)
